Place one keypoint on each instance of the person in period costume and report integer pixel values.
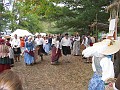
(50, 41)
(102, 64)
(56, 52)
(93, 40)
(4, 56)
(16, 47)
(11, 55)
(76, 45)
(46, 45)
(11, 52)
(9, 80)
(35, 52)
(29, 52)
(66, 46)
(39, 42)
(53, 40)
(22, 44)
(85, 41)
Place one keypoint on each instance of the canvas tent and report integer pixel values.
(21, 33)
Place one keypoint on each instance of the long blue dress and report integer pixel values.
(27, 57)
(95, 82)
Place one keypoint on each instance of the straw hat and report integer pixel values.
(110, 46)
(113, 46)
(105, 47)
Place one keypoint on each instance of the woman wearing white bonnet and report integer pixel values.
(29, 52)
(102, 64)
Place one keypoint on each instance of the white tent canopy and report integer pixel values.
(21, 33)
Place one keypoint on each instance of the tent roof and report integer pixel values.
(21, 33)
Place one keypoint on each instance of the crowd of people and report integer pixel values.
(33, 47)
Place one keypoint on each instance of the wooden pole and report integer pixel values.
(96, 26)
(116, 24)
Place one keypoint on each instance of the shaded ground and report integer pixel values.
(44, 76)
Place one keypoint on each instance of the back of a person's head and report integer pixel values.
(9, 80)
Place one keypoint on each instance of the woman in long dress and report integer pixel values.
(102, 64)
(29, 54)
(76, 45)
(56, 52)
(4, 56)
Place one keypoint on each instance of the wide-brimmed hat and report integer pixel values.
(2, 41)
(105, 47)
(112, 47)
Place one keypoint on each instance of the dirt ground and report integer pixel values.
(74, 75)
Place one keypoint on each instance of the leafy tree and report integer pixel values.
(4, 17)
(78, 14)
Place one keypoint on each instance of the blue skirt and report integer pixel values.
(96, 83)
(28, 58)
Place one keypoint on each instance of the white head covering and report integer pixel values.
(29, 37)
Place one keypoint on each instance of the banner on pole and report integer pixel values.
(112, 26)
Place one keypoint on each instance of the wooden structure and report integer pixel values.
(114, 9)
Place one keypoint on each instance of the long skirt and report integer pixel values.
(4, 63)
(46, 47)
(66, 50)
(96, 83)
(17, 51)
(4, 67)
(55, 56)
(76, 48)
(28, 59)
(36, 53)
(40, 50)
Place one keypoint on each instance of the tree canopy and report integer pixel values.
(58, 15)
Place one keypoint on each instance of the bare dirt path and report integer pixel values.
(44, 76)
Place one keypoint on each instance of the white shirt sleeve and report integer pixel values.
(93, 65)
(70, 43)
(18, 43)
(107, 68)
(57, 44)
(78, 39)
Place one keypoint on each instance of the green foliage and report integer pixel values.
(1, 7)
(40, 15)
(82, 14)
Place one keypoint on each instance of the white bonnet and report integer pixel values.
(29, 37)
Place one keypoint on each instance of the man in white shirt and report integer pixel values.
(16, 47)
(66, 45)
(39, 43)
